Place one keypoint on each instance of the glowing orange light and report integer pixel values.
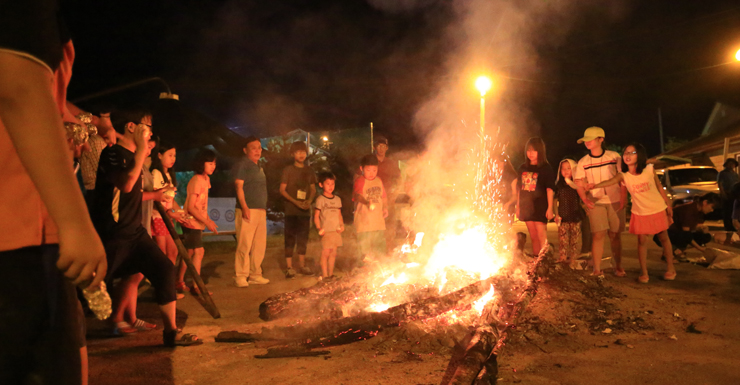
(737, 55)
(483, 84)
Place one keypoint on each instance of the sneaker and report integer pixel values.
(143, 326)
(258, 280)
(290, 274)
(304, 271)
(241, 281)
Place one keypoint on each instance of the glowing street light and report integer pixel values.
(325, 138)
(483, 84)
(737, 55)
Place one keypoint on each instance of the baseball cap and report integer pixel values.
(380, 140)
(591, 134)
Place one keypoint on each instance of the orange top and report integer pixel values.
(24, 219)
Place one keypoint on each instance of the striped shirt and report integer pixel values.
(596, 169)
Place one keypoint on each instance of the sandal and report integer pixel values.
(643, 279)
(669, 276)
(123, 328)
(182, 287)
(619, 273)
(143, 326)
(598, 274)
(196, 291)
(171, 341)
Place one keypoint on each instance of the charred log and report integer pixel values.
(477, 363)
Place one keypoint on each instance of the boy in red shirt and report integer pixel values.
(371, 209)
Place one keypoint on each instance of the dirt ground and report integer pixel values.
(577, 331)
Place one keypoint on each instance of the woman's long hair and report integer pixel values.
(538, 145)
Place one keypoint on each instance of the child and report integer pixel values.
(196, 205)
(651, 209)
(298, 188)
(605, 207)
(163, 175)
(569, 213)
(329, 223)
(371, 209)
(687, 228)
(534, 198)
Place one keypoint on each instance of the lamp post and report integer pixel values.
(483, 84)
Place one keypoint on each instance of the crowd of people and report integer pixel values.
(595, 188)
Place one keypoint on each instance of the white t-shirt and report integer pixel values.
(161, 182)
(646, 199)
(596, 169)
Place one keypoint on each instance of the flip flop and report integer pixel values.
(619, 272)
(598, 274)
(142, 325)
(171, 341)
(669, 276)
(643, 279)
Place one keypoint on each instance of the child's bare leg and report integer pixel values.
(302, 260)
(532, 228)
(616, 243)
(123, 295)
(324, 261)
(198, 258)
(161, 242)
(642, 240)
(184, 267)
(542, 233)
(332, 258)
(171, 249)
(667, 251)
(597, 249)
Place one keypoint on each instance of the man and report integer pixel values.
(605, 206)
(389, 173)
(251, 216)
(117, 214)
(725, 180)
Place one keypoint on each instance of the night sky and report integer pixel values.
(268, 67)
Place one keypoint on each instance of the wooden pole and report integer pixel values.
(207, 303)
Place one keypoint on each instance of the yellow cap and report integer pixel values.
(592, 133)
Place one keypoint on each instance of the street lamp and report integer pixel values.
(483, 84)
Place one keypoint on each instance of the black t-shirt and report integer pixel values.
(533, 182)
(116, 214)
(33, 27)
(686, 215)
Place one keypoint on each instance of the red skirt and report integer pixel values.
(649, 224)
(159, 228)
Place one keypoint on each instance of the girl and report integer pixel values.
(164, 179)
(534, 198)
(569, 214)
(196, 205)
(651, 209)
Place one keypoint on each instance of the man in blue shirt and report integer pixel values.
(251, 216)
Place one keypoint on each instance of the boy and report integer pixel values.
(605, 206)
(116, 213)
(686, 228)
(297, 187)
(371, 209)
(329, 223)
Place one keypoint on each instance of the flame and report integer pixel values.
(378, 307)
(402, 278)
(468, 251)
(481, 303)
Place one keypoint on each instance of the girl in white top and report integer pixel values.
(163, 175)
(651, 209)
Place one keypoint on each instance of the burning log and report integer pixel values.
(477, 363)
(367, 325)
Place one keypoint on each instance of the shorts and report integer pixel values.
(193, 238)
(42, 328)
(296, 234)
(649, 224)
(372, 242)
(140, 254)
(331, 240)
(159, 229)
(605, 217)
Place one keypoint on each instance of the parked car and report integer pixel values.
(683, 183)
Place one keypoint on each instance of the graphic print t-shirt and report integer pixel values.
(329, 211)
(366, 219)
(535, 180)
(116, 213)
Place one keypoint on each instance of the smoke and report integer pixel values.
(504, 40)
